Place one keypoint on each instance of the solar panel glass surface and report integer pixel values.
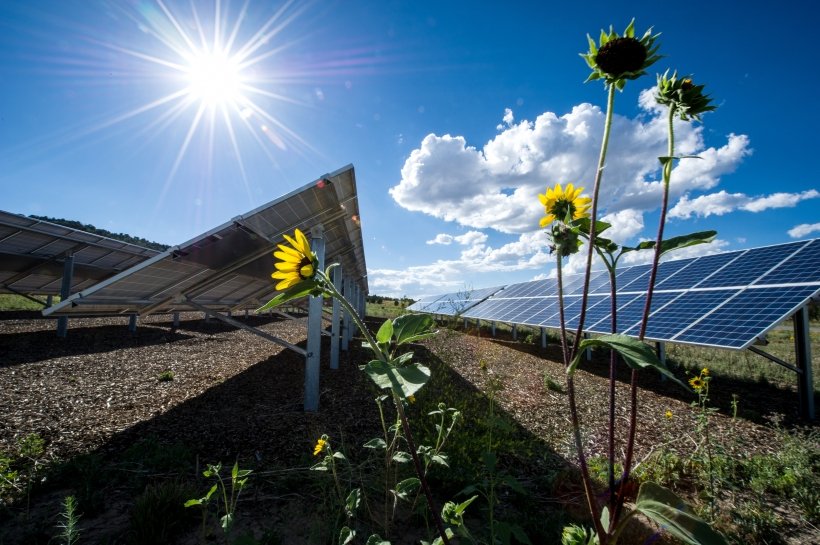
(702, 268)
(750, 266)
(802, 266)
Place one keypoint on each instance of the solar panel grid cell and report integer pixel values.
(697, 271)
(631, 313)
(628, 279)
(746, 316)
(672, 311)
(750, 266)
(803, 266)
(598, 308)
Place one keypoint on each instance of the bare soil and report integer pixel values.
(236, 396)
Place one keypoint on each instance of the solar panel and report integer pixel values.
(728, 300)
(451, 304)
(32, 253)
(229, 267)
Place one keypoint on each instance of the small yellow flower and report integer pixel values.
(696, 383)
(297, 263)
(560, 203)
(704, 372)
(320, 446)
(668, 414)
(411, 398)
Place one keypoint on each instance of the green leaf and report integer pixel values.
(385, 332)
(227, 522)
(605, 517)
(191, 503)
(636, 354)
(303, 288)
(402, 457)
(375, 539)
(404, 381)
(513, 483)
(453, 513)
(353, 501)
(668, 510)
(412, 327)
(675, 243)
(375, 443)
(440, 459)
(406, 487)
(584, 225)
(346, 535)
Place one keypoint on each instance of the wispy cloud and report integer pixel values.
(804, 229)
(721, 203)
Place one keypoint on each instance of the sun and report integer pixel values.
(214, 78)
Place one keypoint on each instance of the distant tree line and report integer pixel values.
(384, 300)
(139, 241)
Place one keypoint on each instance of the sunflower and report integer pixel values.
(563, 204)
(320, 446)
(668, 414)
(704, 372)
(696, 383)
(616, 59)
(297, 263)
(686, 98)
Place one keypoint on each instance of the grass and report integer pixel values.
(18, 302)
(387, 309)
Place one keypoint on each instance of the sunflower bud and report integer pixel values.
(684, 97)
(616, 58)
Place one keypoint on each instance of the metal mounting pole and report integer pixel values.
(314, 340)
(515, 332)
(493, 327)
(65, 291)
(335, 321)
(132, 323)
(346, 316)
(176, 319)
(543, 337)
(802, 352)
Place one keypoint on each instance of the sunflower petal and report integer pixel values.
(290, 251)
(304, 245)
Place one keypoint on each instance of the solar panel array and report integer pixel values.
(229, 267)
(451, 304)
(727, 300)
(32, 253)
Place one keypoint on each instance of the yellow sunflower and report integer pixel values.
(696, 383)
(320, 446)
(668, 415)
(297, 263)
(560, 203)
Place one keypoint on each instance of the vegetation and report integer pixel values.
(139, 241)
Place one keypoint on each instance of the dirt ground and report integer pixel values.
(237, 396)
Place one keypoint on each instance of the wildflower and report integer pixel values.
(668, 414)
(564, 205)
(320, 446)
(704, 372)
(297, 263)
(686, 98)
(696, 383)
(411, 398)
(618, 58)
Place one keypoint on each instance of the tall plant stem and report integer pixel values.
(613, 362)
(594, 215)
(573, 412)
(633, 411)
(411, 446)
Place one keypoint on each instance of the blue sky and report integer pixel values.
(455, 115)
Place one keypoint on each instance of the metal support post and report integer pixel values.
(660, 350)
(335, 320)
(543, 337)
(49, 300)
(515, 332)
(465, 324)
(492, 324)
(132, 323)
(588, 351)
(346, 316)
(65, 291)
(176, 319)
(314, 340)
(802, 352)
(246, 314)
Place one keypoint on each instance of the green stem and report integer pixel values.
(594, 215)
(633, 410)
(573, 411)
(353, 314)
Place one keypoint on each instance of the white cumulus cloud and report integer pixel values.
(804, 229)
(720, 203)
(441, 238)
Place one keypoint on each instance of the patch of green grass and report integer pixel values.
(159, 514)
(9, 301)
(166, 376)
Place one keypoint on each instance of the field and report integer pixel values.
(126, 424)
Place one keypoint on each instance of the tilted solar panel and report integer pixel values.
(727, 300)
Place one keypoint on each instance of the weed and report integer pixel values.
(165, 376)
(238, 480)
(552, 385)
(69, 534)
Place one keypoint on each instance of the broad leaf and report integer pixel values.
(353, 501)
(453, 513)
(303, 288)
(376, 443)
(402, 457)
(412, 327)
(385, 332)
(674, 516)
(404, 381)
(675, 243)
(375, 539)
(346, 535)
(406, 487)
(584, 225)
(636, 354)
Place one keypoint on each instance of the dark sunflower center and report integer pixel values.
(686, 84)
(621, 55)
(562, 208)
